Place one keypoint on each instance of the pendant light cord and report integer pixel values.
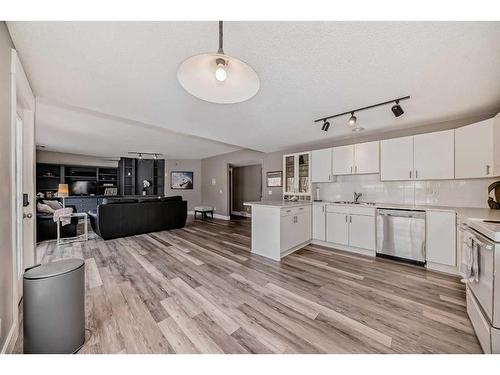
(221, 38)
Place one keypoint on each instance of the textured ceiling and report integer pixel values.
(127, 70)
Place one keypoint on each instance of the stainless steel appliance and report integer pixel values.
(401, 234)
(483, 296)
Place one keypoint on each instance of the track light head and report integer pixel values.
(358, 129)
(155, 157)
(352, 120)
(397, 110)
(326, 126)
(140, 156)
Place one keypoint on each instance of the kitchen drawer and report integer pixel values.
(350, 210)
(480, 323)
(295, 210)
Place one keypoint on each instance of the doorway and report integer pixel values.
(245, 186)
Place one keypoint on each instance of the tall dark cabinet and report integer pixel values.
(132, 173)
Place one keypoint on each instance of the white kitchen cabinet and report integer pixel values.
(362, 231)
(433, 155)
(441, 238)
(474, 150)
(321, 165)
(337, 228)
(343, 160)
(367, 157)
(319, 221)
(297, 174)
(396, 159)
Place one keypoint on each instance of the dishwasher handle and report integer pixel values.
(402, 213)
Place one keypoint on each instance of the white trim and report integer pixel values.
(11, 338)
(350, 249)
(294, 249)
(442, 268)
(241, 213)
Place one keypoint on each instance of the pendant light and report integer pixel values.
(217, 77)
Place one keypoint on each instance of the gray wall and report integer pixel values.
(6, 219)
(193, 197)
(73, 159)
(247, 186)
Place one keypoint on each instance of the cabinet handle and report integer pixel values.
(416, 174)
(351, 168)
(322, 208)
(350, 219)
(355, 169)
(410, 175)
(346, 218)
(487, 169)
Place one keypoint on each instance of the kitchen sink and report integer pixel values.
(352, 202)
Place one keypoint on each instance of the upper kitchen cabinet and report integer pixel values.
(434, 156)
(343, 160)
(366, 157)
(356, 159)
(297, 170)
(396, 159)
(321, 165)
(477, 149)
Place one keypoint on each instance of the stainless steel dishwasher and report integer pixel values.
(401, 234)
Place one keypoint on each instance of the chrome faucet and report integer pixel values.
(357, 196)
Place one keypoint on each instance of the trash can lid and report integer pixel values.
(53, 269)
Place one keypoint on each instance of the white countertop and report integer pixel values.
(278, 204)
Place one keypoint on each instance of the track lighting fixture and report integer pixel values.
(155, 157)
(140, 155)
(397, 110)
(352, 122)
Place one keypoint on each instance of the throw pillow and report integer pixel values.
(55, 205)
(44, 208)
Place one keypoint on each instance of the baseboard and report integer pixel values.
(370, 253)
(10, 340)
(442, 268)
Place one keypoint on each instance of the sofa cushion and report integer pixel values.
(118, 200)
(149, 199)
(55, 205)
(171, 198)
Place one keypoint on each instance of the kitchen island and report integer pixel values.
(280, 227)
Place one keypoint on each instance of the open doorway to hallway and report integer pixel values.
(245, 185)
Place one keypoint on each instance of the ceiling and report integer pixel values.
(106, 88)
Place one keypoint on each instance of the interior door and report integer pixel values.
(23, 142)
(367, 157)
(337, 228)
(425, 148)
(343, 160)
(396, 159)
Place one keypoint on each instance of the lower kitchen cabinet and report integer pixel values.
(319, 221)
(352, 226)
(337, 228)
(362, 231)
(441, 238)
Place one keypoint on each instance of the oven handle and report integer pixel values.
(486, 244)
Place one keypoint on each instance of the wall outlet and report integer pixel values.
(270, 192)
(220, 191)
(213, 181)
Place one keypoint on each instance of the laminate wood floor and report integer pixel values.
(199, 290)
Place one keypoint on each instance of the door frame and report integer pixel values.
(22, 106)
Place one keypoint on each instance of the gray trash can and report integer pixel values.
(54, 307)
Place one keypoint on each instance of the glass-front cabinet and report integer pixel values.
(297, 174)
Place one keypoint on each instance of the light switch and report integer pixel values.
(220, 191)
(213, 181)
(270, 192)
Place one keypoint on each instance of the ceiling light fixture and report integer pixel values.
(397, 110)
(217, 77)
(352, 122)
(326, 126)
(140, 156)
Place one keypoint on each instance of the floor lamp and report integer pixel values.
(63, 192)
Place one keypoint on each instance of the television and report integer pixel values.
(83, 188)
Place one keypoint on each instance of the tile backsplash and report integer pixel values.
(460, 193)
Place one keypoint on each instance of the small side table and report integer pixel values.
(81, 237)
(204, 210)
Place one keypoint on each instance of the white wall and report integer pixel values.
(53, 157)
(462, 193)
(193, 197)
